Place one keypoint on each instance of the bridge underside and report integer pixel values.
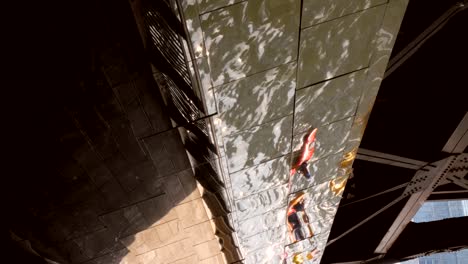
(225, 131)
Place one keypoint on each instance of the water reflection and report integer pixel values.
(337, 185)
(261, 223)
(337, 47)
(260, 178)
(318, 11)
(321, 208)
(305, 154)
(208, 5)
(258, 144)
(298, 220)
(257, 99)
(250, 37)
(322, 170)
(302, 257)
(261, 203)
(331, 138)
(251, 49)
(305, 251)
(328, 102)
(309, 212)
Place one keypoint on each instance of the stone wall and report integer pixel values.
(101, 176)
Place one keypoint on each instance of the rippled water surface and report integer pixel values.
(273, 78)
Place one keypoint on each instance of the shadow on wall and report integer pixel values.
(92, 155)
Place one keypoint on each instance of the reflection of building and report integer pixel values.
(438, 210)
(458, 257)
(298, 220)
(414, 128)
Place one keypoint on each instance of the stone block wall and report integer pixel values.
(105, 178)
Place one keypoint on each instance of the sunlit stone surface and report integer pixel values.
(274, 78)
